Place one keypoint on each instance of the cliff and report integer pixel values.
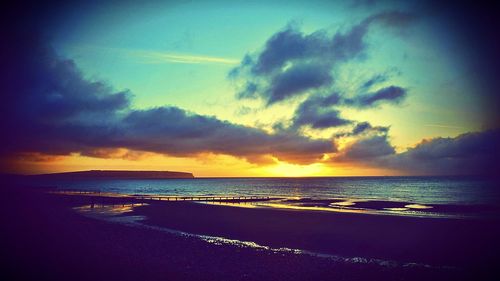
(118, 174)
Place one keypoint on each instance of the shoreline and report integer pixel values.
(336, 204)
(45, 235)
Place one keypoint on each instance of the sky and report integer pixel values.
(251, 88)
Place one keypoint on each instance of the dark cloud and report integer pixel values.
(298, 79)
(391, 94)
(367, 149)
(50, 108)
(319, 111)
(285, 46)
(292, 63)
(471, 153)
(47, 104)
(316, 112)
(310, 59)
(173, 131)
(320, 120)
(364, 128)
(360, 128)
(346, 46)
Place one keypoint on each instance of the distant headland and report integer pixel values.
(117, 174)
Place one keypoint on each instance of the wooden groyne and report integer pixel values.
(205, 198)
(170, 198)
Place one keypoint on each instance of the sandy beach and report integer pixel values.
(433, 241)
(44, 238)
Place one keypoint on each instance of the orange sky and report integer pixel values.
(207, 165)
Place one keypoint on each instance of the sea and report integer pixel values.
(345, 192)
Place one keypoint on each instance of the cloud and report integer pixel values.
(391, 94)
(52, 109)
(470, 153)
(346, 46)
(474, 153)
(361, 127)
(320, 112)
(173, 131)
(365, 127)
(47, 104)
(367, 149)
(316, 112)
(297, 79)
(287, 45)
(293, 63)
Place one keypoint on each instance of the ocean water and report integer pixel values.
(419, 190)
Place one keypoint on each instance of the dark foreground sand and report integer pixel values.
(433, 241)
(42, 238)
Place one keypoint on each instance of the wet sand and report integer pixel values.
(433, 241)
(43, 238)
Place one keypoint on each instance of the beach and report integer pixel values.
(45, 238)
(430, 241)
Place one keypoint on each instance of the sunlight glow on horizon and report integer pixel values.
(208, 165)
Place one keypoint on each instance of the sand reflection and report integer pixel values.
(343, 205)
(107, 209)
(417, 206)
